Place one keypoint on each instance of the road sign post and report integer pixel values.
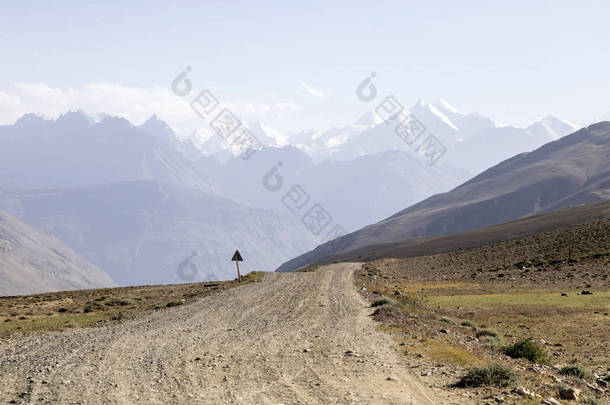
(237, 258)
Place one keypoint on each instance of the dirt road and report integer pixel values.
(285, 340)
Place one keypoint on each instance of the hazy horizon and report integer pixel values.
(297, 69)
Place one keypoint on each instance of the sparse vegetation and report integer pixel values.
(383, 301)
(590, 399)
(575, 371)
(75, 309)
(448, 321)
(445, 352)
(538, 298)
(487, 332)
(492, 375)
(526, 349)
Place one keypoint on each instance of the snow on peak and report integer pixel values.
(369, 119)
(442, 104)
(551, 127)
(267, 135)
(420, 103)
(442, 116)
(429, 108)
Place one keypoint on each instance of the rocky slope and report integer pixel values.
(32, 261)
(571, 171)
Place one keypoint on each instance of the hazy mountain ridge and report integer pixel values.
(32, 261)
(135, 200)
(75, 151)
(355, 192)
(572, 170)
(473, 142)
(138, 201)
(140, 232)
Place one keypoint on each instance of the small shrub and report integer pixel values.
(590, 399)
(382, 301)
(120, 303)
(385, 310)
(487, 332)
(448, 321)
(526, 349)
(61, 310)
(118, 316)
(575, 371)
(91, 307)
(467, 324)
(494, 374)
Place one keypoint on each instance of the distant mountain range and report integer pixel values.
(32, 261)
(141, 203)
(473, 142)
(355, 192)
(75, 151)
(571, 171)
(136, 200)
(141, 232)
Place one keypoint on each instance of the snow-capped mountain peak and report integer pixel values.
(551, 128)
(423, 110)
(369, 119)
(444, 106)
(266, 135)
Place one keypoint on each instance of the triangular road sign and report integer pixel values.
(237, 257)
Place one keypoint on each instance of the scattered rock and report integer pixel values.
(306, 350)
(591, 386)
(444, 331)
(524, 392)
(499, 399)
(564, 294)
(350, 353)
(586, 292)
(601, 382)
(569, 393)
(551, 401)
(396, 292)
(390, 378)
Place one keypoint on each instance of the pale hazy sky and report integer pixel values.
(295, 65)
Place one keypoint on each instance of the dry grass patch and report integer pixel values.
(445, 352)
(74, 309)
